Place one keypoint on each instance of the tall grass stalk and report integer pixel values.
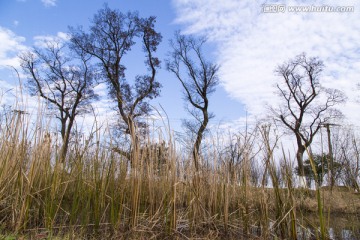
(318, 197)
(279, 201)
(291, 207)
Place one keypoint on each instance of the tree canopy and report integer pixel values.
(111, 36)
(305, 104)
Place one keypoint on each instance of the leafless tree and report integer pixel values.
(64, 79)
(110, 37)
(306, 104)
(198, 78)
(347, 153)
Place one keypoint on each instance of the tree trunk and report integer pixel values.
(134, 143)
(299, 158)
(66, 140)
(131, 131)
(331, 158)
(199, 139)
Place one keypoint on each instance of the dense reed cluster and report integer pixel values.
(240, 192)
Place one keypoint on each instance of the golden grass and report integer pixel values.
(95, 193)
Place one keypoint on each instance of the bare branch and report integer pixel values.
(65, 82)
(198, 78)
(306, 104)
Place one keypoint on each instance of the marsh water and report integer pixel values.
(338, 227)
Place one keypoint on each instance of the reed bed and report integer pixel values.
(241, 193)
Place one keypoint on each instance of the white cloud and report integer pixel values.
(250, 44)
(10, 46)
(49, 3)
(41, 41)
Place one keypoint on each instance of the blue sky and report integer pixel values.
(23, 22)
(246, 42)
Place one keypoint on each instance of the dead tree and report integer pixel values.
(305, 104)
(65, 80)
(111, 36)
(198, 78)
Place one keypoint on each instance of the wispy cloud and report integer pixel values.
(41, 41)
(252, 43)
(49, 3)
(10, 46)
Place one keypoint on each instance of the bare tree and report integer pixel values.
(111, 36)
(346, 151)
(306, 105)
(198, 78)
(64, 79)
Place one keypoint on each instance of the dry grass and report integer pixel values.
(95, 193)
(337, 201)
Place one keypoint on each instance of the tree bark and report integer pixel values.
(299, 158)
(66, 140)
(199, 137)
